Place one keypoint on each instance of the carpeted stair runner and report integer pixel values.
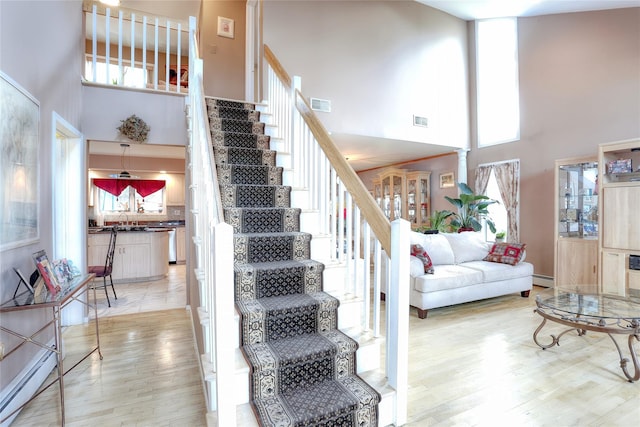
(303, 369)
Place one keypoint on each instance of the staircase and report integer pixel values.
(302, 368)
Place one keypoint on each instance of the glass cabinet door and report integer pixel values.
(577, 200)
(418, 198)
(393, 182)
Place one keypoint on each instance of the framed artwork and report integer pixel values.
(20, 189)
(225, 27)
(447, 180)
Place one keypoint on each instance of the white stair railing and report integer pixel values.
(348, 215)
(212, 241)
(132, 49)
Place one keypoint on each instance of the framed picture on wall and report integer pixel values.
(19, 192)
(447, 180)
(225, 27)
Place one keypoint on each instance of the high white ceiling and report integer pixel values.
(470, 10)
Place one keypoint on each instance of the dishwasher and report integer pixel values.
(172, 246)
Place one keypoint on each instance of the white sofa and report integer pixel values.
(460, 274)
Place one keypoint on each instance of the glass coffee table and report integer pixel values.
(585, 309)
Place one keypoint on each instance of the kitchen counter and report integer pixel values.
(141, 254)
(129, 229)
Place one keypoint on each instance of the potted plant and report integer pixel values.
(438, 222)
(500, 236)
(472, 208)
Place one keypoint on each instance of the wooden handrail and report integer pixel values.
(368, 207)
(277, 67)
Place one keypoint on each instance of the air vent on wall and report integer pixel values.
(323, 105)
(420, 121)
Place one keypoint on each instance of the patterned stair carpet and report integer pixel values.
(303, 369)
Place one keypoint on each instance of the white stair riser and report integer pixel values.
(386, 410)
(287, 176)
(310, 222)
(283, 159)
(299, 198)
(271, 130)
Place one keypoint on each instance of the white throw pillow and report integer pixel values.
(468, 246)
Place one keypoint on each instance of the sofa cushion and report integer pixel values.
(506, 253)
(419, 252)
(447, 277)
(493, 271)
(436, 245)
(468, 246)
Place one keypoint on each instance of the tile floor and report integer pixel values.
(163, 294)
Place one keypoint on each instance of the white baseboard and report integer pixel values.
(26, 384)
(546, 281)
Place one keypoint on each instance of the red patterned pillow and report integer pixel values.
(506, 253)
(419, 252)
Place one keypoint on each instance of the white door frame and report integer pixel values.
(69, 202)
(253, 51)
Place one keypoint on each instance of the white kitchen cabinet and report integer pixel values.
(139, 255)
(131, 261)
(181, 245)
(175, 189)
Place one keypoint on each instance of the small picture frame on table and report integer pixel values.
(23, 281)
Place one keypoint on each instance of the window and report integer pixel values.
(130, 201)
(498, 103)
(497, 211)
(133, 76)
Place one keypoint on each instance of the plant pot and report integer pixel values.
(431, 231)
(461, 229)
(499, 239)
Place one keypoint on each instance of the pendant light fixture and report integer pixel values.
(124, 173)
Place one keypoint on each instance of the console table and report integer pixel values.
(72, 291)
(584, 309)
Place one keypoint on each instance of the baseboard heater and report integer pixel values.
(26, 384)
(540, 280)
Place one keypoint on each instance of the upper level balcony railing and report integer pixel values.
(134, 49)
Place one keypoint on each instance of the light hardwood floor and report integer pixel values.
(476, 365)
(469, 365)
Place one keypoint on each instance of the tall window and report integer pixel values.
(498, 102)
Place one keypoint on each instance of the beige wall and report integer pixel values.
(45, 58)
(135, 164)
(224, 58)
(579, 87)
(379, 63)
(105, 108)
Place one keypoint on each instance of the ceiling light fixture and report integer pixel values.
(124, 173)
(114, 3)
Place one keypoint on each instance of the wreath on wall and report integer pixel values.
(134, 128)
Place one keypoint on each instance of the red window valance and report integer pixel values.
(144, 187)
(115, 186)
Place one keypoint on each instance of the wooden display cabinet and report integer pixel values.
(418, 198)
(619, 212)
(404, 194)
(576, 223)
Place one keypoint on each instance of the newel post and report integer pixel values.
(397, 302)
